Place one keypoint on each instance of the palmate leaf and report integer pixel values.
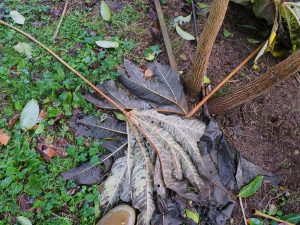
(173, 141)
(163, 92)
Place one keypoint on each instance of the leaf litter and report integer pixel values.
(165, 159)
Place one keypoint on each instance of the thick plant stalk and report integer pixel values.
(206, 40)
(102, 94)
(256, 87)
(223, 82)
(165, 34)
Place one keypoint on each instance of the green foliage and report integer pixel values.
(251, 188)
(22, 170)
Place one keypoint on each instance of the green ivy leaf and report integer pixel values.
(251, 188)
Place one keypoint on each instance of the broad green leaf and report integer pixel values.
(192, 215)
(291, 13)
(107, 44)
(185, 35)
(255, 221)
(105, 11)
(29, 115)
(227, 33)
(264, 9)
(24, 48)
(182, 19)
(17, 17)
(251, 188)
(23, 220)
(152, 52)
(253, 41)
(292, 218)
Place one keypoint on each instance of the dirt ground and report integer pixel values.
(265, 130)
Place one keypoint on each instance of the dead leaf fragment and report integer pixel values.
(4, 138)
(48, 151)
(13, 121)
(148, 73)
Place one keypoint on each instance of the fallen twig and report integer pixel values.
(258, 213)
(243, 210)
(61, 20)
(110, 100)
(223, 82)
(165, 34)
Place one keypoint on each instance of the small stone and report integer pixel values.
(120, 215)
(296, 152)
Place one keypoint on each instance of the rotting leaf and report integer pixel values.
(29, 115)
(185, 35)
(4, 138)
(90, 126)
(49, 151)
(107, 44)
(87, 173)
(121, 96)
(163, 92)
(165, 89)
(251, 188)
(182, 19)
(105, 11)
(17, 17)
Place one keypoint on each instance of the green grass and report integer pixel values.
(22, 169)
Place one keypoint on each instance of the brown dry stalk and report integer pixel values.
(256, 87)
(258, 213)
(223, 82)
(61, 20)
(165, 34)
(68, 66)
(206, 40)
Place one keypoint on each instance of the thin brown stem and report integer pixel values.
(258, 213)
(102, 94)
(223, 82)
(61, 20)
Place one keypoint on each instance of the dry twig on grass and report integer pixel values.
(61, 20)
